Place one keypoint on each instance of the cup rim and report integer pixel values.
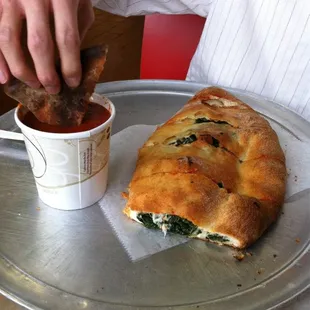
(74, 135)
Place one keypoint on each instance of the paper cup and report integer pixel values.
(70, 170)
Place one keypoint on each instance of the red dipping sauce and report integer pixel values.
(95, 116)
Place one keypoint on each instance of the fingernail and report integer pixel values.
(53, 90)
(33, 84)
(72, 82)
(3, 77)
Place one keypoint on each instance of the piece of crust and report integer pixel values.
(229, 181)
(70, 105)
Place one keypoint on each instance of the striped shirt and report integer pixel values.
(262, 46)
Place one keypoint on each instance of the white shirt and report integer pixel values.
(262, 46)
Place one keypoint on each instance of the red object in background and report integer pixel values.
(169, 43)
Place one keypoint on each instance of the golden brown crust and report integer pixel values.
(229, 177)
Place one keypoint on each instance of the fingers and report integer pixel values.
(68, 40)
(86, 17)
(10, 29)
(4, 71)
(40, 44)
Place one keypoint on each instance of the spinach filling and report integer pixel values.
(147, 220)
(217, 238)
(215, 142)
(176, 224)
(181, 226)
(206, 120)
(192, 138)
(220, 184)
(185, 140)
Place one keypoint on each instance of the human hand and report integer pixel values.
(72, 19)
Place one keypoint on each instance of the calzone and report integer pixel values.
(214, 171)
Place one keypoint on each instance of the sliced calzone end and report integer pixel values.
(175, 224)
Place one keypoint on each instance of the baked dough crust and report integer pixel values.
(230, 180)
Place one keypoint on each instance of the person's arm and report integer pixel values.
(145, 7)
(72, 19)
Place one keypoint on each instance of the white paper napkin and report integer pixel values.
(138, 241)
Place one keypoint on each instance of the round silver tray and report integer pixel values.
(51, 259)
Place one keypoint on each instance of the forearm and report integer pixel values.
(145, 7)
